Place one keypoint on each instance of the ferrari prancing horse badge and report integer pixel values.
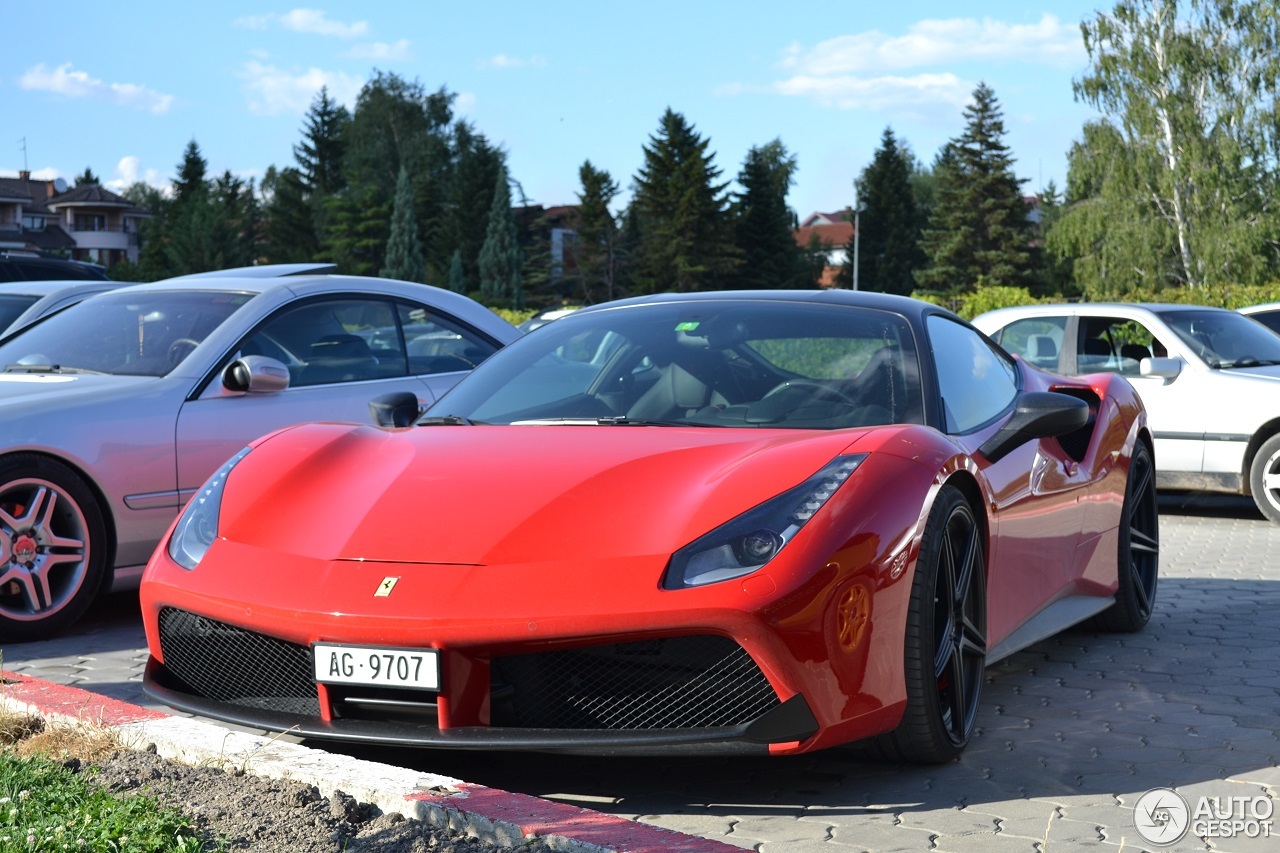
(384, 588)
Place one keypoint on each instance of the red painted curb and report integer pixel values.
(532, 815)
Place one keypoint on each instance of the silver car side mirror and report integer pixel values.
(1165, 368)
(255, 374)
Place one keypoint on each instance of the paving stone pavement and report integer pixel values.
(1072, 732)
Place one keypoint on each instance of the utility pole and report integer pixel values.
(857, 233)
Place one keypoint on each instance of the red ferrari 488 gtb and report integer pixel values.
(770, 521)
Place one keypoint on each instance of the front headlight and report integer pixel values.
(746, 543)
(198, 526)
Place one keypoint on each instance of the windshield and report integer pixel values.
(747, 363)
(143, 334)
(1224, 338)
(12, 305)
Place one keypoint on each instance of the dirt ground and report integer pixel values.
(245, 812)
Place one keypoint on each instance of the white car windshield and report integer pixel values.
(1225, 338)
(141, 334)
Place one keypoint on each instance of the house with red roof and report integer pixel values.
(84, 223)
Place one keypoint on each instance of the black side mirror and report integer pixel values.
(1036, 414)
(255, 373)
(398, 409)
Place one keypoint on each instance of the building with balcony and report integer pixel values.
(85, 223)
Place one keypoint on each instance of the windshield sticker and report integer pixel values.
(687, 326)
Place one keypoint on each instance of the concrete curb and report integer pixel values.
(494, 815)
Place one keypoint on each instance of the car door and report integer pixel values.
(341, 352)
(1176, 408)
(1034, 489)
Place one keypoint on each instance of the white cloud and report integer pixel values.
(65, 80)
(310, 21)
(274, 91)
(380, 51)
(129, 173)
(936, 42)
(847, 92)
(502, 61)
(465, 102)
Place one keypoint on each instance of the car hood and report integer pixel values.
(489, 495)
(18, 391)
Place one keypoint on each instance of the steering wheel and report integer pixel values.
(180, 349)
(816, 389)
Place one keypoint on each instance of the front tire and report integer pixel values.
(1138, 559)
(946, 643)
(1264, 478)
(52, 547)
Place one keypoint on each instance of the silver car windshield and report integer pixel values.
(1224, 338)
(140, 334)
(760, 364)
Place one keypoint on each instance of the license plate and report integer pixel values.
(379, 667)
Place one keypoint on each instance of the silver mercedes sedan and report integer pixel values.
(113, 412)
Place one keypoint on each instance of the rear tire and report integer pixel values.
(946, 643)
(52, 547)
(1138, 557)
(1264, 478)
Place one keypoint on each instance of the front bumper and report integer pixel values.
(694, 693)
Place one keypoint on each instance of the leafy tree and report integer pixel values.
(979, 229)
(404, 249)
(764, 227)
(889, 246)
(597, 251)
(681, 213)
(87, 178)
(1175, 185)
(500, 263)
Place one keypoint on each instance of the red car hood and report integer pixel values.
(490, 495)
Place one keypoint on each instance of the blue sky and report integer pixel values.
(121, 89)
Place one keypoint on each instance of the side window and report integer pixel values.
(1036, 340)
(976, 382)
(1114, 345)
(437, 344)
(339, 340)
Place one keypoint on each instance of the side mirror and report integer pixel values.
(255, 374)
(398, 409)
(1165, 368)
(1036, 414)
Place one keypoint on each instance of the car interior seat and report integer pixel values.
(339, 358)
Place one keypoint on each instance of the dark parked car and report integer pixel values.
(16, 266)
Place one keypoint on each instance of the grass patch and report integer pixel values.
(46, 805)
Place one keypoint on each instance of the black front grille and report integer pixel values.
(237, 666)
(676, 683)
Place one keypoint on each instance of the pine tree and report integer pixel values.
(319, 155)
(191, 175)
(457, 281)
(87, 178)
(889, 246)
(764, 230)
(404, 249)
(289, 229)
(979, 231)
(500, 273)
(596, 251)
(359, 225)
(681, 213)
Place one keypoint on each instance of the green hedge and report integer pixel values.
(970, 305)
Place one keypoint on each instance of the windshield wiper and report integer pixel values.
(49, 368)
(623, 420)
(446, 420)
(1248, 361)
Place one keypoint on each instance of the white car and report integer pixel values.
(1268, 314)
(1210, 379)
